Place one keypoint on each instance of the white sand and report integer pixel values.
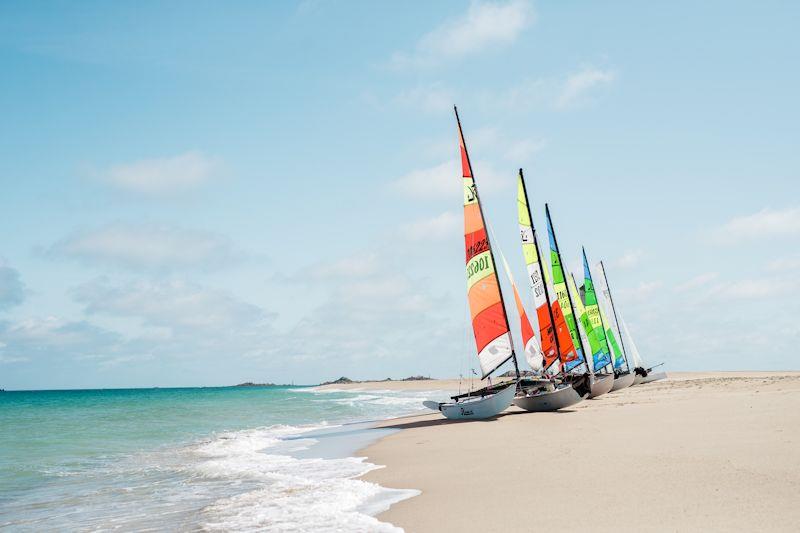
(701, 451)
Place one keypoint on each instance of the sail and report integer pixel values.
(593, 323)
(618, 356)
(568, 355)
(560, 284)
(634, 351)
(530, 251)
(608, 316)
(489, 320)
(533, 352)
(580, 310)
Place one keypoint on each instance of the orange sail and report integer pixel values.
(531, 349)
(489, 320)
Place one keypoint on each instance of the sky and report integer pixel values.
(205, 193)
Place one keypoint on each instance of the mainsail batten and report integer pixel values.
(487, 310)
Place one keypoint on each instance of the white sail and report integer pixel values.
(632, 349)
(606, 304)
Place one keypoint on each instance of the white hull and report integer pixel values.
(602, 384)
(638, 378)
(561, 397)
(623, 381)
(654, 377)
(477, 408)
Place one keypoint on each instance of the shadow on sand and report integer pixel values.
(405, 424)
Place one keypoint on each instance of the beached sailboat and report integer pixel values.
(644, 374)
(489, 320)
(623, 373)
(597, 330)
(581, 368)
(601, 382)
(556, 347)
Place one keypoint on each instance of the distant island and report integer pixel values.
(512, 374)
(341, 381)
(251, 384)
(344, 381)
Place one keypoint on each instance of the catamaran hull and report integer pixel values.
(654, 377)
(637, 378)
(562, 397)
(602, 384)
(479, 408)
(623, 381)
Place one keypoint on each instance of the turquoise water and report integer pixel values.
(202, 459)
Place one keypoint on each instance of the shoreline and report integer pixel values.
(700, 450)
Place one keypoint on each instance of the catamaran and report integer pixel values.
(581, 368)
(624, 376)
(490, 326)
(644, 374)
(556, 348)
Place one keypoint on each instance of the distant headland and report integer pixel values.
(344, 381)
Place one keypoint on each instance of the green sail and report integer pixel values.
(593, 322)
(560, 285)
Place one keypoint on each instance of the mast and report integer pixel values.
(541, 267)
(602, 322)
(488, 240)
(569, 296)
(614, 310)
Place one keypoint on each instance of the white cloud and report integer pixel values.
(696, 282)
(548, 92)
(148, 247)
(32, 336)
(484, 25)
(575, 88)
(163, 175)
(753, 289)
(763, 224)
(175, 305)
(523, 150)
(785, 263)
(433, 97)
(642, 291)
(445, 181)
(629, 259)
(353, 267)
(12, 290)
(443, 226)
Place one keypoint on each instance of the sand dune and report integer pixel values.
(700, 451)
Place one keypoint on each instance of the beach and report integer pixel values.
(713, 451)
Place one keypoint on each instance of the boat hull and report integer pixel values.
(623, 381)
(602, 384)
(563, 396)
(479, 408)
(654, 376)
(637, 378)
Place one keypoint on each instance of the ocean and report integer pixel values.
(194, 459)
